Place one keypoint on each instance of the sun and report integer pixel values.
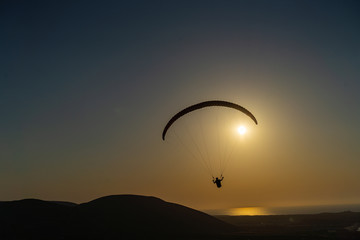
(241, 130)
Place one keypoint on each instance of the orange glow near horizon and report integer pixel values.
(249, 211)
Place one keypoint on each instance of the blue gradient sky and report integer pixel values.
(87, 86)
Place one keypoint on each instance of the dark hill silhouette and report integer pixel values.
(34, 219)
(140, 217)
(114, 217)
(151, 215)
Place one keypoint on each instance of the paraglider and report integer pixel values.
(207, 159)
(217, 181)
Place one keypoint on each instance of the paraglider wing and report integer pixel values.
(203, 105)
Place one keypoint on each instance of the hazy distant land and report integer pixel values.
(141, 217)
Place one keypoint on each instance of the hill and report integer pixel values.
(115, 217)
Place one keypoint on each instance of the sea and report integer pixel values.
(288, 210)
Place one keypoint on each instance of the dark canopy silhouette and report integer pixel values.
(212, 103)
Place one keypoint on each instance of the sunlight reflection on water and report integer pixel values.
(252, 211)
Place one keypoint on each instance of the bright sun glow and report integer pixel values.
(241, 130)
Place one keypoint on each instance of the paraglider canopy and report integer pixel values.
(203, 105)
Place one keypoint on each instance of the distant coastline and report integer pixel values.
(288, 210)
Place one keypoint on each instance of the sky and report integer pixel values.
(88, 86)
